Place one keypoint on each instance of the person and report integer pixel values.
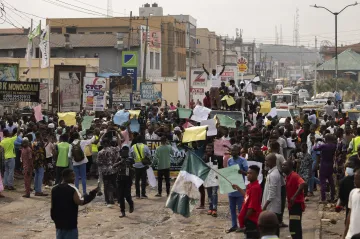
(124, 180)
(172, 106)
(352, 220)
(76, 153)
(296, 202)
(251, 208)
(163, 158)
(39, 153)
(9, 150)
(65, 201)
(49, 153)
(211, 184)
(326, 166)
(62, 161)
(324, 121)
(235, 198)
(268, 225)
(207, 100)
(332, 128)
(192, 104)
(151, 135)
(329, 109)
(304, 162)
(140, 153)
(107, 157)
(272, 192)
(28, 167)
(313, 181)
(354, 143)
(312, 117)
(215, 85)
(223, 91)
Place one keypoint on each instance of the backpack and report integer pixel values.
(77, 153)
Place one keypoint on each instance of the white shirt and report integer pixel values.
(215, 80)
(354, 205)
(272, 191)
(153, 136)
(233, 89)
(49, 150)
(332, 130)
(83, 144)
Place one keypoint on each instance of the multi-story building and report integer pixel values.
(208, 48)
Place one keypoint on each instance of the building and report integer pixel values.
(207, 48)
(172, 40)
(328, 52)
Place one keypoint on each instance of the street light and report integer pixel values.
(336, 52)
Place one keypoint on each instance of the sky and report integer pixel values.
(257, 18)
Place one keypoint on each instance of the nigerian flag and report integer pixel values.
(185, 194)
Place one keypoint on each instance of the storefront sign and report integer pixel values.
(19, 91)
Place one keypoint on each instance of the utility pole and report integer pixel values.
(315, 88)
(130, 31)
(146, 47)
(261, 66)
(190, 65)
(301, 62)
(32, 48)
(225, 52)
(39, 53)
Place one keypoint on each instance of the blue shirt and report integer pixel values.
(243, 165)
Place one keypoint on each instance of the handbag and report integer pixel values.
(144, 160)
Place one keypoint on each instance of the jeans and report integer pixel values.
(140, 174)
(283, 202)
(17, 160)
(251, 230)
(295, 215)
(124, 191)
(327, 175)
(202, 195)
(9, 172)
(233, 202)
(166, 174)
(59, 177)
(38, 181)
(213, 197)
(67, 234)
(80, 171)
(313, 179)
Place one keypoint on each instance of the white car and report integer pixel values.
(282, 114)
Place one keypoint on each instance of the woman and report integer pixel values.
(27, 159)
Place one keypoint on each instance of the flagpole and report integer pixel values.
(31, 29)
(49, 71)
(39, 54)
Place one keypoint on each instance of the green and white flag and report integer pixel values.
(273, 112)
(30, 47)
(185, 194)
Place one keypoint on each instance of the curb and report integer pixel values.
(319, 224)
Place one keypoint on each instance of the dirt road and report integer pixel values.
(30, 218)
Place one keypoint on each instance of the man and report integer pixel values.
(214, 89)
(272, 192)
(141, 154)
(329, 109)
(151, 135)
(107, 157)
(65, 201)
(275, 136)
(312, 133)
(312, 117)
(251, 207)
(163, 158)
(268, 225)
(324, 121)
(124, 180)
(211, 183)
(354, 143)
(207, 100)
(332, 127)
(95, 151)
(235, 198)
(296, 201)
(353, 218)
(62, 162)
(9, 151)
(39, 163)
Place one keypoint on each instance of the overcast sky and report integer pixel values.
(257, 18)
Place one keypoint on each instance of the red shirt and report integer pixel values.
(293, 181)
(252, 200)
(207, 102)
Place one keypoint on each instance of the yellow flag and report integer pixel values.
(194, 134)
(69, 118)
(134, 113)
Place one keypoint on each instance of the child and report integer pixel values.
(27, 160)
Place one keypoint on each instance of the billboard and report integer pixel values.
(19, 91)
(120, 91)
(198, 77)
(153, 60)
(9, 72)
(230, 73)
(129, 59)
(94, 93)
(132, 72)
(70, 91)
(148, 91)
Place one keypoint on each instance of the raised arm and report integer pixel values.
(206, 71)
(222, 71)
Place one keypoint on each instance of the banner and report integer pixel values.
(44, 46)
(148, 91)
(177, 158)
(70, 91)
(132, 72)
(38, 114)
(19, 91)
(230, 73)
(198, 77)
(44, 95)
(9, 72)
(69, 118)
(136, 98)
(94, 93)
(120, 91)
(30, 47)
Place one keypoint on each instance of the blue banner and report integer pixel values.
(148, 91)
(132, 72)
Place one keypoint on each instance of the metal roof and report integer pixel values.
(58, 41)
(348, 60)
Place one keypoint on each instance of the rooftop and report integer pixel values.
(349, 60)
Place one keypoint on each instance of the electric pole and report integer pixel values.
(130, 31)
(315, 86)
(146, 47)
(225, 52)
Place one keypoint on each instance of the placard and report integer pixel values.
(19, 91)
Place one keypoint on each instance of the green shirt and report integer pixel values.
(162, 156)
(9, 147)
(63, 152)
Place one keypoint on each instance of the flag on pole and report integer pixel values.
(185, 194)
(44, 46)
(30, 48)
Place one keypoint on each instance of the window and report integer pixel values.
(71, 30)
(57, 30)
(157, 61)
(151, 60)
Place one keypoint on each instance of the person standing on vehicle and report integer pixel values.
(215, 85)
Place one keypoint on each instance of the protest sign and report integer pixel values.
(151, 177)
(229, 100)
(184, 113)
(94, 93)
(134, 113)
(68, 117)
(86, 123)
(226, 121)
(200, 113)
(219, 149)
(260, 176)
(194, 134)
(211, 124)
(231, 174)
(38, 114)
(134, 125)
(121, 117)
(19, 91)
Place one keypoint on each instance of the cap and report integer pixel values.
(51, 126)
(177, 128)
(264, 148)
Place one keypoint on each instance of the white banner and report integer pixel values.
(44, 46)
(70, 91)
(29, 53)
